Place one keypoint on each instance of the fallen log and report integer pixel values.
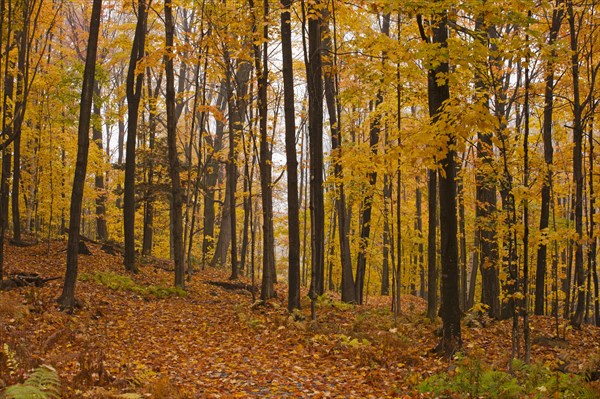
(234, 286)
(24, 280)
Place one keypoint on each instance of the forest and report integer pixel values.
(309, 198)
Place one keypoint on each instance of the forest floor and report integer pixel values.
(212, 343)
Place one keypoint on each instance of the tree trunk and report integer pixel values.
(19, 115)
(134, 92)
(365, 229)
(148, 238)
(540, 275)
(176, 212)
(438, 93)
(385, 268)
(247, 202)
(292, 163)
(265, 159)
(333, 108)
(315, 128)
(67, 298)
(101, 228)
(235, 129)
(419, 232)
(432, 272)
(236, 122)
(7, 114)
(212, 176)
(577, 318)
(486, 205)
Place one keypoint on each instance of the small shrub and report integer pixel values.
(118, 282)
(326, 300)
(472, 378)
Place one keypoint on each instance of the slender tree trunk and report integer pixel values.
(385, 268)
(419, 232)
(211, 177)
(177, 232)
(234, 130)
(19, 115)
(577, 318)
(148, 238)
(486, 206)
(134, 92)
(247, 206)
(101, 228)
(432, 273)
(292, 163)
(315, 127)
(237, 102)
(540, 275)
(463, 238)
(265, 159)
(7, 114)
(332, 101)
(365, 230)
(473, 272)
(67, 298)
(525, 307)
(593, 248)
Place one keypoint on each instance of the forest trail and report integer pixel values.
(212, 343)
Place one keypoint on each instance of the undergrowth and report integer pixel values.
(473, 378)
(119, 282)
(43, 383)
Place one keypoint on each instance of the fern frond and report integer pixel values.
(43, 383)
(44, 377)
(22, 391)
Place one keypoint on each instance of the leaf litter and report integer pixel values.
(212, 343)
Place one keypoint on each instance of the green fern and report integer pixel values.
(43, 383)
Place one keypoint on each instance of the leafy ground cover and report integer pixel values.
(135, 337)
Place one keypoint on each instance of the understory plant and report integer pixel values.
(474, 379)
(42, 383)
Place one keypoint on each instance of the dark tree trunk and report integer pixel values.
(463, 238)
(7, 114)
(365, 229)
(432, 272)
(101, 228)
(134, 93)
(212, 176)
(419, 230)
(540, 275)
(67, 298)
(577, 318)
(525, 303)
(315, 128)
(176, 197)
(333, 108)
(148, 238)
(265, 159)
(121, 137)
(237, 102)
(473, 272)
(292, 163)
(20, 104)
(385, 268)
(486, 205)
(235, 129)
(438, 93)
(247, 202)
